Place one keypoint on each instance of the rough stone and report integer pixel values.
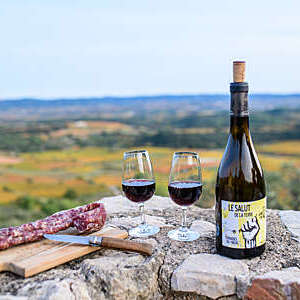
(122, 276)
(291, 219)
(130, 222)
(93, 275)
(242, 284)
(120, 204)
(284, 284)
(10, 297)
(57, 290)
(208, 275)
(204, 228)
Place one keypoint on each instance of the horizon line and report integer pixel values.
(140, 96)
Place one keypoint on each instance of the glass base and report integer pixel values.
(144, 230)
(183, 235)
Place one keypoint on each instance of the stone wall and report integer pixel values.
(176, 270)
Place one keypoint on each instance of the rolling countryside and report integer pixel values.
(74, 156)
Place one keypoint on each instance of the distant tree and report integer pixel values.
(29, 180)
(28, 202)
(294, 189)
(283, 188)
(70, 194)
(6, 189)
(54, 205)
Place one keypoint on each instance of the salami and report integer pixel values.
(87, 218)
(63, 223)
(83, 221)
(4, 243)
(55, 219)
(37, 225)
(92, 227)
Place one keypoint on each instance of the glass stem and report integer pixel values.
(183, 223)
(142, 213)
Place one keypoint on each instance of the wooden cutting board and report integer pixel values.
(33, 258)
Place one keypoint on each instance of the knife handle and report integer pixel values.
(115, 243)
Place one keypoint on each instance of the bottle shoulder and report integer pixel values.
(239, 157)
(240, 174)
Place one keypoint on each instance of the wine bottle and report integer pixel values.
(240, 187)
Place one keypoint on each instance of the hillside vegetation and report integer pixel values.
(53, 163)
(38, 184)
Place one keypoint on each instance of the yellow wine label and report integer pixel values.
(244, 224)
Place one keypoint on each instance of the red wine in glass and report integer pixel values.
(185, 193)
(185, 188)
(138, 190)
(138, 185)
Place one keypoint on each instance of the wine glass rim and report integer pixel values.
(185, 153)
(134, 152)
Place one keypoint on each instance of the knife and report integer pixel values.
(106, 242)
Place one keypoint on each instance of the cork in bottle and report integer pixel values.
(239, 71)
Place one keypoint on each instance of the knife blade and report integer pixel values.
(84, 240)
(106, 242)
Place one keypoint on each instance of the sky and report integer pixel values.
(91, 48)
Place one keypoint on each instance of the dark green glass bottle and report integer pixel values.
(240, 187)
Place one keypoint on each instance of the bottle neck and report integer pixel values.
(239, 114)
(239, 126)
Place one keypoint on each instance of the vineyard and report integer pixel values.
(60, 154)
(94, 172)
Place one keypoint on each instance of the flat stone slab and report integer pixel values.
(208, 275)
(291, 219)
(204, 228)
(130, 222)
(9, 297)
(57, 290)
(120, 204)
(283, 284)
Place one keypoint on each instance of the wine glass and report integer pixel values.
(185, 188)
(138, 185)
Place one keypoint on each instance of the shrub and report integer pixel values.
(28, 202)
(7, 189)
(70, 194)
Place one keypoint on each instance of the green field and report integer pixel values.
(34, 184)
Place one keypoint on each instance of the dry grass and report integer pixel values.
(51, 173)
(286, 148)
